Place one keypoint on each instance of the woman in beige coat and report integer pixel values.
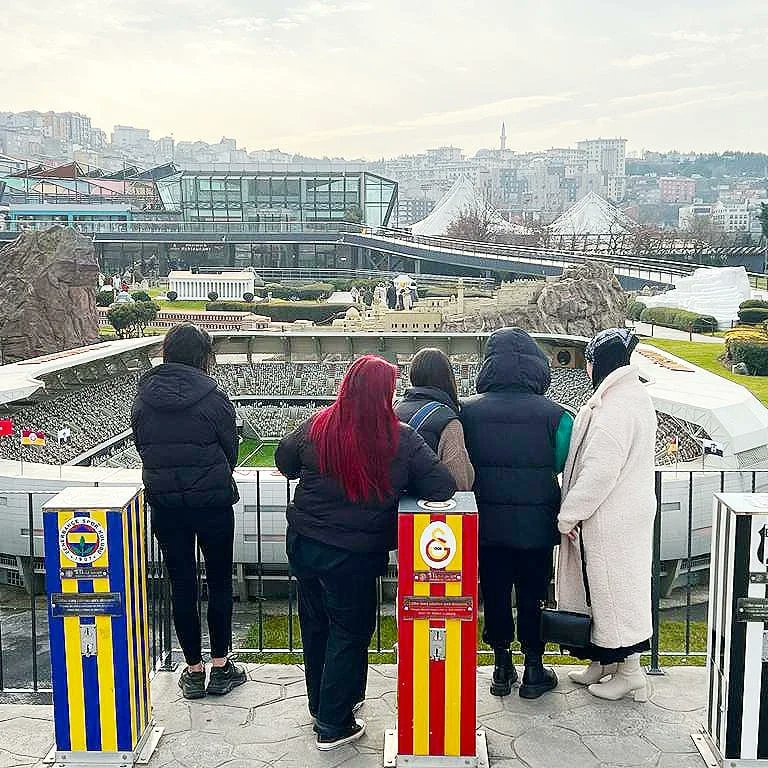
(609, 499)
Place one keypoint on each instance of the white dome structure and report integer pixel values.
(460, 198)
(715, 291)
(592, 215)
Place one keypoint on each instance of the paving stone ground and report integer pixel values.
(266, 723)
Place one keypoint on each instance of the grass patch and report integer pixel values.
(707, 356)
(251, 455)
(275, 635)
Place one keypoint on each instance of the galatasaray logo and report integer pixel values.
(82, 540)
(437, 545)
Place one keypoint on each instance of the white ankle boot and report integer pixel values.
(629, 678)
(594, 673)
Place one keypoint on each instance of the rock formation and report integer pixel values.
(48, 284)
(585, 299)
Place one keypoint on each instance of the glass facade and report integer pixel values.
(271, 198)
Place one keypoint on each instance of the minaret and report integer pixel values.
(503, 136)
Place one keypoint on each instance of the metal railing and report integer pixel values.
(644, 267)
(268, 590)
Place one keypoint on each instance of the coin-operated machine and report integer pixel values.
(736, 729)
(437, 637)
(96, 585)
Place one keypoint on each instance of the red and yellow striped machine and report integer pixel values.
(437, 636)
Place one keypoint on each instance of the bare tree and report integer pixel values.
(474, 222)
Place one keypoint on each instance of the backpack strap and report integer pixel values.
(421, 416)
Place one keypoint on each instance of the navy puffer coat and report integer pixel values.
(510, 428)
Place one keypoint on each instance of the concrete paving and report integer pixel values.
(660, 332)
(266, 723)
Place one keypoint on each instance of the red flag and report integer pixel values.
(6, 427)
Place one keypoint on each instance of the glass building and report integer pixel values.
(273, 196)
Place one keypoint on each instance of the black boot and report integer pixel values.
(537, 679)
(504, 673)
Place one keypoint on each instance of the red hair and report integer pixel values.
(357, 436)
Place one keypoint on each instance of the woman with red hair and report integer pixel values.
(353, 459)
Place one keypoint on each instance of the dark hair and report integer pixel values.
(189, 345)
(431, 367)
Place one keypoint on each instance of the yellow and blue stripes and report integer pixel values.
(102, 701)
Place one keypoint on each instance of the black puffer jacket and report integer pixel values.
(320, 510)
(510, 429)
(184, 429)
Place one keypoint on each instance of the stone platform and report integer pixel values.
(266, 723)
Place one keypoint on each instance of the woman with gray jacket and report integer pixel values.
(609, 500)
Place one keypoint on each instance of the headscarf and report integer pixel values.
(609, 350)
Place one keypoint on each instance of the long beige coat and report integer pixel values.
(608, 486)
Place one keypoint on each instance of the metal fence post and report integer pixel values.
(655, 668)
(32, 587)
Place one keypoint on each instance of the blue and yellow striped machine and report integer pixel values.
(96, 582)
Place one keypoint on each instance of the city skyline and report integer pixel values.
(356, 79)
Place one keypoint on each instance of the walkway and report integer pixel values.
(266, 723)
(660, 332)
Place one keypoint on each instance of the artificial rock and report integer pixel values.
(585, 299)
(48, 284)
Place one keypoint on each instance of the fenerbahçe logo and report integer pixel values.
(437, 545)
(82, 540)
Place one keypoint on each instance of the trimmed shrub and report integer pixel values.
(282, 313)
(213, 296)
(753, 355)
(248, 298)
(171, 295)
(307, 292)
(753, 316)
(754, 304)
(105, 298)
(635, 309)
(140, 296)
(750, 333)
(680, 319)
(230, 306)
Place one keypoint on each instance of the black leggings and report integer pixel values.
(176, 531)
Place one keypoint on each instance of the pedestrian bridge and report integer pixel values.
(383, 249)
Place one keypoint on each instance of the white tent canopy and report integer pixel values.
(592, 215)
(460, 198)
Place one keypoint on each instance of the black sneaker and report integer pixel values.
(192, 684)
(504, 674)
(355, 709)
(224, 679)
(353, 733)
(537, 680)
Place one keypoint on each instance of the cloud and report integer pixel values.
(473, 114)
(641, 60)
(296, 16)
(245, 23)
(704, 38)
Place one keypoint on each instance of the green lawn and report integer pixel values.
(264, 456)
(706, 356)
(275, 635)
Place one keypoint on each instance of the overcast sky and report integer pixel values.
(369, 78)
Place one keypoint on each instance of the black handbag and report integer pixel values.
(568, 628)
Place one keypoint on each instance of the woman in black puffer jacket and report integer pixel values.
(184, 429)
(353, 461)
